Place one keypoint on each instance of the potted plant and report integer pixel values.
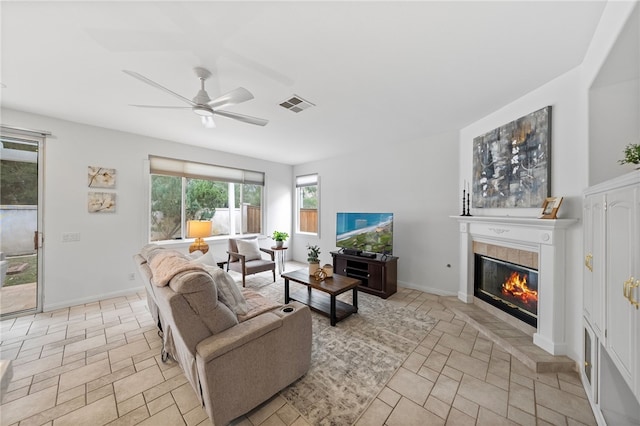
(313, 257)
(631, 154)
(279, 237)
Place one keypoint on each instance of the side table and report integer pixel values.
(280, 254)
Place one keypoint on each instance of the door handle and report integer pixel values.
(38, 239)
(588, 262)
(627, 291)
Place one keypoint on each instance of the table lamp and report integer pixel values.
(198, 229)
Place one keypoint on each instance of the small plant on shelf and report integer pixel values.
(279, 237)
(631, 154)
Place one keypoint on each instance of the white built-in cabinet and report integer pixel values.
(611, 297)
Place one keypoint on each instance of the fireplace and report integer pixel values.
(536, 244)
(508, 286)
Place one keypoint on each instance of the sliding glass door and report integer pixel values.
(20, 222)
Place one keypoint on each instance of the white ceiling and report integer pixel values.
(378, 72)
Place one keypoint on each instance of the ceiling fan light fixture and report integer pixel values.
(202, 104)
(203, 111)
(208, 122)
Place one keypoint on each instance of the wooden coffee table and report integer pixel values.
(324, 300)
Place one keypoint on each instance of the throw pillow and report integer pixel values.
(228, 292)
(205, 259)
(249, 248)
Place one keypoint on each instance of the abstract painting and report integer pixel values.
(512, 164)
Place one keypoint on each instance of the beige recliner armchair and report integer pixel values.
(248, 262)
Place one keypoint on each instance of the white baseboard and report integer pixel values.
(74, 302)
(436, 291)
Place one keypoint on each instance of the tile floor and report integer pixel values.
(18, 298)
(99, 364)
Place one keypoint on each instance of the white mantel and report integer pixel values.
(543, 236)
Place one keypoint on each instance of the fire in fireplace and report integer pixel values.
(507, 286)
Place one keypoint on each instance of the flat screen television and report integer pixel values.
(369, 232)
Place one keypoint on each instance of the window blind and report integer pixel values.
(306, 180)
(191, 169)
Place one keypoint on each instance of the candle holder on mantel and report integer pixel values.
(465, 197)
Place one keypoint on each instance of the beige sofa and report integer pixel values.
(233, 361)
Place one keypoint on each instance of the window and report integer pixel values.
(307, 203)
(182, 190)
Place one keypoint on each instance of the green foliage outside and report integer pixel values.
(18, 180)
(203, 196)
(29, 275)
(309, 197)
(248, 194)
(166, 207)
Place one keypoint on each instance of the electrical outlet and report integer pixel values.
(70, 237)
(132, 276)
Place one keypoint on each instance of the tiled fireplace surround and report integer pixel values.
(513, 256)
(522, 241)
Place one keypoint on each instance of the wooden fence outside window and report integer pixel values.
(309, 220)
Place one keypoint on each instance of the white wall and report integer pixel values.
(614, 105)
(568, 94)
(99, 265)
(416, 181)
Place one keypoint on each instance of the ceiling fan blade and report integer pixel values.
(243, 118)
(208, 122)
(157, 86)
(233, 97)
(160, 106)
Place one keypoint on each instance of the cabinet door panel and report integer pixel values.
(375, 277)
(340, 266)
(621, 241)
(594, 273)
(590, 366)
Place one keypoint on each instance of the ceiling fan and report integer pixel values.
(202, 104)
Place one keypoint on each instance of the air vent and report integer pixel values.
(296, 104)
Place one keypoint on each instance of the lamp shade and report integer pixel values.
(198, 228)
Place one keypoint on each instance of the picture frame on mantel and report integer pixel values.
(550, 207)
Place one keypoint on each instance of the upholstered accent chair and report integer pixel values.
(245, 257)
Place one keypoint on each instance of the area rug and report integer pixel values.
(351, 362)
